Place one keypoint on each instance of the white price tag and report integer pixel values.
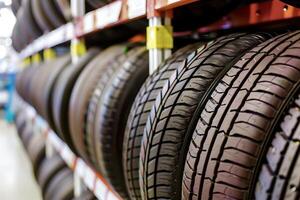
(88, 22)
(100, 189)
(108, 14)
(136, 8)
(89, 178)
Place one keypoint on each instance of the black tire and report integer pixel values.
(64, 8)
(52, 71)
(26, 135)
(61, 187)
(40, 17)
(20, 121)
(168, 128)
(48, 169)
(97, 3)
(61, 95)
(81, 95)
(279, 177)
(138, 117)
(22, 33)
(53, 13)
(237, 120)
(35, 84)
(95, 101)
(17, 42)
(26, 83)
(36, 151)
(112, 113)
(15, 5)
(29, 21)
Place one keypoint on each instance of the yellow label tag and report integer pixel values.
(78, 48)
(26, 62)
(160, 37)
(49, 54)
(36, 58)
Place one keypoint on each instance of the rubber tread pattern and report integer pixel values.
(233, 126)
(62, 93)
(138, 117)
(95, 102)
(167, 125)
(82, 92)
(112, 114)
(279, 176)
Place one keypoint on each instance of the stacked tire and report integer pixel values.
(52, 174)
(33, 19)
(217, 120)
(78, 100)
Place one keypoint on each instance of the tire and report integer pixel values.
(64, 8)
(53, 12)
(15, 5)
(26, 135)
(95, 101)
(52, 72)
(36, 151)
(81, 95)
(112, 113)
(61, 95)
(40, 17)
(279, 175)
(20, 121)
(26, 83)
(138, 117)
(168, 128)
(15, 40)
(237, 120)
(22, 27)
(48, 169)
(35, 84)
(97, 3)
(61, 186)
(32, 27)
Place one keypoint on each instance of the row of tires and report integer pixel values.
(216, 120)
(52, 174)
(36, 17)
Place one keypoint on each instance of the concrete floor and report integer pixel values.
(16, 177)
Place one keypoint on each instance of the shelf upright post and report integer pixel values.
(159, 35)
(77, 50)
(77, 44)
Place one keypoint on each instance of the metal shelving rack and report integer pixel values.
(159, 14)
